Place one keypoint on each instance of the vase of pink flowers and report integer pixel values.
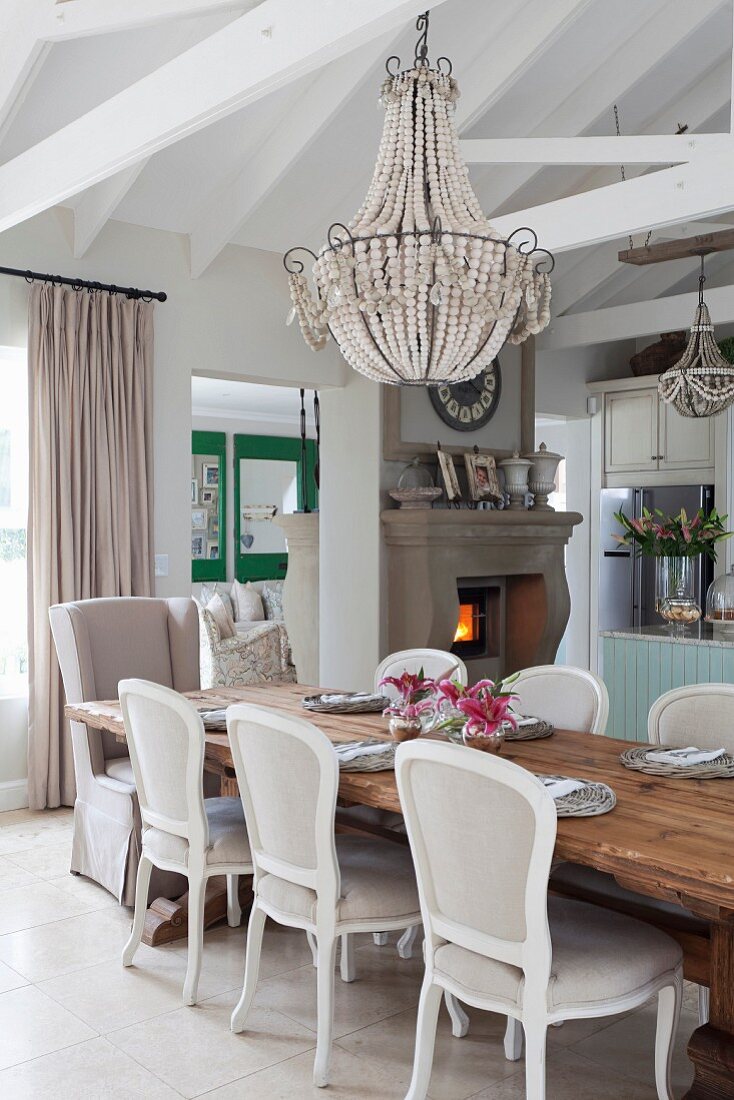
(479, 715)
(413, 706)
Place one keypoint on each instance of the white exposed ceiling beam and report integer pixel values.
(534, 27)
(639, 149)
(697, 105)
(667, 197)
(228, 210)
(81, 18)
(21, 56)
(232, 68)
(664, 30)
(601, 326)
(98, 204)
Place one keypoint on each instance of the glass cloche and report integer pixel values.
(415, 488)
(415, 476)
(720, 601)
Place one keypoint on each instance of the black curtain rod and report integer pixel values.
(83, 284)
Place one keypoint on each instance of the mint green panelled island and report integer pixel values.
(638, 665)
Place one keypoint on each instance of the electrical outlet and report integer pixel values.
(161, 565)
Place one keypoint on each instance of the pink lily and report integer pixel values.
(409, 710)
(408, 685)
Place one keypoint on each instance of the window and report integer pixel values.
(13, 518)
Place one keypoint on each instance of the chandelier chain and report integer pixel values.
(624, 177)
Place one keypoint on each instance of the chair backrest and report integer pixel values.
(571, 698)
(698, 714)
(100, 642)
(165, 736)
(288, 777)
(482, 871)
(436, 663)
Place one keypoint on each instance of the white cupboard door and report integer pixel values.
(631, 431)
(686, 442)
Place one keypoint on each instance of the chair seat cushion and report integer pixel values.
(598, 955)
(589, 884)
(228, 841)
(121, 769)
(377, 882)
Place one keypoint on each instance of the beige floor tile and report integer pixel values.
(87, 1071)
(194, 1051)
(570, 1077)
(10, 979)
(66, 945)
(34, 905)
(11, 875)
(38, 833)
(91, 893)
(461, 1066)
(110, 996)
(379, 991)
(50, 861)
(224, 953)
(350, 1079)
(31, 1024)
(19, 817)
(629, 1047)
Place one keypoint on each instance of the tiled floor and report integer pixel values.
(75, 1024)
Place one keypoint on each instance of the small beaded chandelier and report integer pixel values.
(701, 383)
(419, 289)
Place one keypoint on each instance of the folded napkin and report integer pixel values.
(212, 718)
(347, 697)
(526, 721)
(559, 788)
(350, 750)
(682, 758)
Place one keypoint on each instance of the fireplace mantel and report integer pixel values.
(429, 551)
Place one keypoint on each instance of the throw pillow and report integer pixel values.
(209, 591)
(273, 600)
(248, 603)
(222, 617)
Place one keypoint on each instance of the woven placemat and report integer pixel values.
(589, 801)
(345, 704)
(636, 759)
(531, 733)
(375, 762)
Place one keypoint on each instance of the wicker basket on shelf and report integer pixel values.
(659, 356)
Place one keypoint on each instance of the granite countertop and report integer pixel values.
(694, 635)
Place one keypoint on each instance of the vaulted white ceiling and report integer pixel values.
(257, 124)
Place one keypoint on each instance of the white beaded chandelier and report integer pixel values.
(419, 289)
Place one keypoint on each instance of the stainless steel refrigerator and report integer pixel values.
(626, 580)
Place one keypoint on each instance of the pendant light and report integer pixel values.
(419, 289)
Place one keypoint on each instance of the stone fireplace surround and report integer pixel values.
(430, 551)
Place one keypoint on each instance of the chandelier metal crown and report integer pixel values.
(418, 288)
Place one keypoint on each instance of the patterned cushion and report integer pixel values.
(209, 591)
(273, 600)
(220, 613)
(248, 603)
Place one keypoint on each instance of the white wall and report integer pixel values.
(560, 376)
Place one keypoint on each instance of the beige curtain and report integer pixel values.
(90, 524)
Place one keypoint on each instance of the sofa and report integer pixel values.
(259, 650)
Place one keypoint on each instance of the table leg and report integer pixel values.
(711, 1048)
(167, 919)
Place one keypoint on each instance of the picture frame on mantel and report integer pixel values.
(396, 449)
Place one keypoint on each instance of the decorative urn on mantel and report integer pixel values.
(301, 591)
(516, 471)
(542, 476)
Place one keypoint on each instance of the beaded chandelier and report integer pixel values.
(701, 383)
(419, 289)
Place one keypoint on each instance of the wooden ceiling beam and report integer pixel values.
(662, 251)
(639, 149)
(84, 18)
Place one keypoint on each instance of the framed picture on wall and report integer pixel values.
(198, 546)
(194, 491)
(212, 550)
(199, 519)
(209, 496)
(210, 475)
(481, 474)
(213, 528)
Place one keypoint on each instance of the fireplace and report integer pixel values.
(480, 627)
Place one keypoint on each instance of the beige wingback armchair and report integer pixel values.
(100, 642)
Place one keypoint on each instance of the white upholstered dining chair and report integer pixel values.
(98, 643)
(182, 831)
(568, 697)
(305, 876)
(494, 937)
(696, 714)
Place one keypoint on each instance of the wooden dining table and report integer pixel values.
(669, 838)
